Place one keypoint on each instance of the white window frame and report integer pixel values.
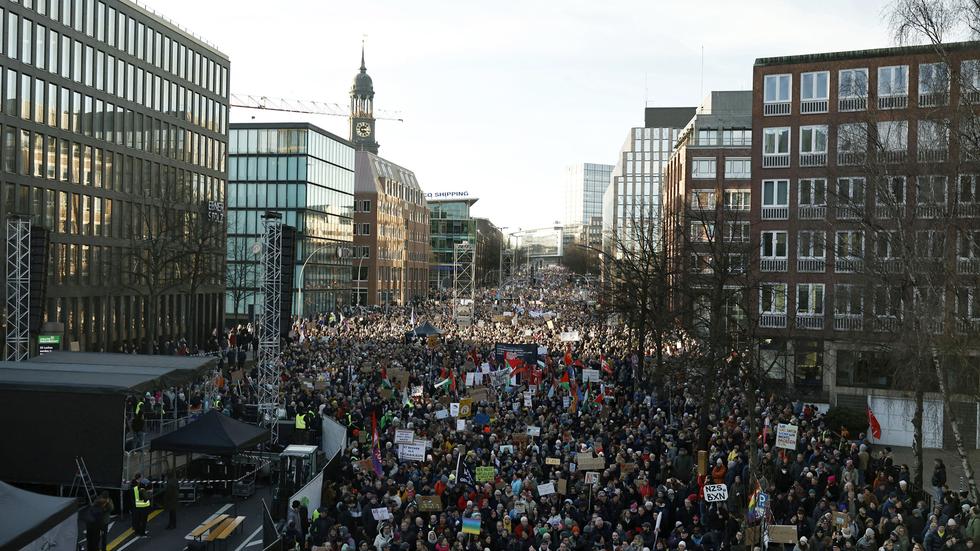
(851, 191)
(887, 301)
(702, 199)
(849, 137)
(930, 244)
(775, 193)
(813, 77)
(704, 167)
(888, 129)
(776, 131)
(736, 137)
(707, 136)
(777, 293)
(812, 240)
(742, 235)
(779, 80)
(814, 131)
(815, 295)
(888, 74)
(886, 244)
(741, 162)
(813, 182)
(971, 310)
(700, 231)
(842, 78)
(738, 199)
(933, 181)
(970, 77)
(936, 129)
(929, 68)
(848, 244)
(774, 245)
(973, 184)
(888, 187)
(844, 295)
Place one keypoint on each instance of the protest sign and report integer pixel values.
(381, 513)
(454, 409)
(469, 379)
(429, 504)
(715, 492)
(552, 461)
(561, 486)
(590, 375)
(591, 477)
(466, 407)
(471, 526)
(460, 425)
(786, 436)
(533, 431)
(480, 394)
(566, 401)
(506, 448)
(485, 474)
(546, 489)
(399, 376)
(586, 462)
(782, 533)
(520, 438)
(411, 452)
(570, 336)
(417, 390)
(528, 399)
(403, 436)
(442, 414)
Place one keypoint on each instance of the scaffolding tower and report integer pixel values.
(270, 328)
(464, 282)
(18, 300)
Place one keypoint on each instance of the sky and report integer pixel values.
(499, 97)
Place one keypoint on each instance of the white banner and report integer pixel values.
(454, 409)
(527, 399)
(309, 495)
(442, 414)
(403, 436)
(590, 375)
(381, 513)
(715, 492)
(334, 437)
(533, 431)
(546, 489)
(411, 452)
(570, 336)
(786, 436)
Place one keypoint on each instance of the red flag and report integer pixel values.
(568, 356)
(605, 365)
(873, 422)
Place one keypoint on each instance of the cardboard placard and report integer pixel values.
(469, 379)
(533, 431)
(403, 436)
(627, 468)
(569, 336)
(454, 409)
(528, 399)
(465, 407)
(786, 436)
(460, 425)
(562, 486)
(506, 448)
(381, 513)
(237, 375)
(398, 376)
(552, 461)
(586, 462)
(702, 462)
(411, 452)
(520, 439)
(485, 474)
(442, 414)
(547, 489)
(838, 519)
(386, 393)
(479, 394)
(782, 533)
(590, 375)
(429, 504)
(591, 477)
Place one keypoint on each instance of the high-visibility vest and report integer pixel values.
(139, 407)
(140, 503)
(300, 421)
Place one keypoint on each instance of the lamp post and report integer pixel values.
(340, 254)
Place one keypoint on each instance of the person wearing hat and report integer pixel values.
(802, 545)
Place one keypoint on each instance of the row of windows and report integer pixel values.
(888, 245)
(734, 199)
(309, 223)
(707, 137)
(72, 59)
(849, 300)
(853, 84)
(290, 141)
(125, 33)
(852, 191)
(41, 156)
(736, 168)
(33, 99)
(890, 136)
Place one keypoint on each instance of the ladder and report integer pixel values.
(83, 480)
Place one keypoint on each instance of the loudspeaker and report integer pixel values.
(40, 249)
(288, 277)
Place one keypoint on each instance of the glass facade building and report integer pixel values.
(113, 124)
(307, 175)
(450, 223)
(585, 183)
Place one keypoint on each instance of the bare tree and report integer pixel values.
(242, 272)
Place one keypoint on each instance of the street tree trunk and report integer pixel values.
(954, 425)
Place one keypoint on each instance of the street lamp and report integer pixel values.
(340, 254)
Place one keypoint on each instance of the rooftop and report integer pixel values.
(289, 125)
(864, 54)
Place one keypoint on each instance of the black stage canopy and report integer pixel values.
(214, 434)
(28, 516)
(425, 330)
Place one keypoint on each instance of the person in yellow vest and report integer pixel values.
(141, 500)
(300, 426)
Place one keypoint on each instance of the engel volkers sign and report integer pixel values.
(447, 194)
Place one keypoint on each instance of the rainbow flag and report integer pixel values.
(471, 526)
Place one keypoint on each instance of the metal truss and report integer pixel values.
(269, 329)
(18, 299)
(464, 282)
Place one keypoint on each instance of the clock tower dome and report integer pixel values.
(362, 111)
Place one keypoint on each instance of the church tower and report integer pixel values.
(362, 111)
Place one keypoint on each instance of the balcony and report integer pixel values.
(851, 158)
(971, 325)
(930, 211)
(967, 265)
(813, 159)
(893, 102)
(772, 320)
(933, 100)
(968, 210)
(849, 212)
(811, 265)
(812, 212)
(893, 156)
(776, 108)
(773, 264)
(780, 160)
(848, 265)
(848, 322)
(852, 104)
(809, 321)
(890, 265)
(887, 323)
(970, 96)
(932, 155)
(885, 212)
(775, 213)
(814, 106)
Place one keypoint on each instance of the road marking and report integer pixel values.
(247, 542)
(216, 513)
(129, 532)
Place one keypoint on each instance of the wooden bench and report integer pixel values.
(208, 525)
(225, 529)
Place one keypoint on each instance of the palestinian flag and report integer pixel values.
(376, 447)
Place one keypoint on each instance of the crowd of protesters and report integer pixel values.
(503, 473)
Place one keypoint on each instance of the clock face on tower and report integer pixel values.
(363, 129)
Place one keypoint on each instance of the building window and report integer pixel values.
(852, 144)
(968, 196)
(775, 199)
(932, 141)
(850, 198)
(930, 244)
(738, 168)
(852, 90)
(736, 138)
(703, 167)
(930, 196)
(887, 300)
(893, 138)
(812, 198)
(702, 199)
(890, 198)
(814, 92)
(849, 250)
(702, 232)
(968, 307)
(738, 199)
(778, 92)
(774, 251)
(933, 84)
(707, 137)
(970, 80)
(775, 147)
(893, 87)
(772, 304)
(848, 307)
(737, 232)
(701, 263)
(810, 244)
(809, 299)
(813, 145)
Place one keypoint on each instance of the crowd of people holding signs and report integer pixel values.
(529, 430)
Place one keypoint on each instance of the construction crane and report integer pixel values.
(266, 103)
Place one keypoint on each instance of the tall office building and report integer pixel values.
(450, 223)
(306, 174)
(585, 183)
(114, 133)
(632, 200)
